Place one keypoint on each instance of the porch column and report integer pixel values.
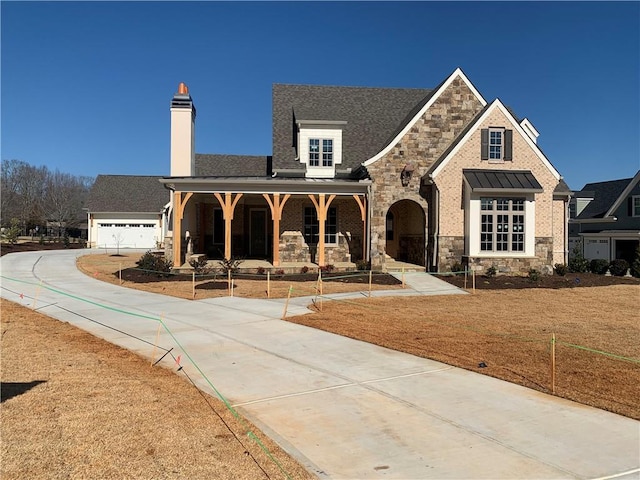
(362, 203)
(322, 207)
(276, 214)
(178, 211)
(228, 206)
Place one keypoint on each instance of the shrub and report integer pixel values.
(327, 268)
(153, 263)
(230, 265)
(41, 240)
(619, 267)
(362, 264)
(279, 272)
(261, 270)
(599, 266)
(560, 269)
(457, 268)
(304, 269)
(635, 265)
(65, 240)
(577, 262)
(13, 232)
(534, 275)
(199, 264)
(491, 271)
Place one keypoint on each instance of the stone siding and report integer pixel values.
(543, 261)
(421, 146)
(450, 252)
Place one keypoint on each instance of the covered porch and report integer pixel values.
(286, 223)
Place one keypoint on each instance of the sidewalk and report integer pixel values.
(344, 408)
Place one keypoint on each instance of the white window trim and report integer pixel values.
(474, 225)
(305, 135)
(635, 213)
(499, 159)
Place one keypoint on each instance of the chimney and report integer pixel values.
(183, 140)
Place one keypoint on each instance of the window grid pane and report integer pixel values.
(502, 226)
(314, 152)
(327, 153)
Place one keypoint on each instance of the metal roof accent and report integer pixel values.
(521, 181)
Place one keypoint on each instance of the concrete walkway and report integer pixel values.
(344, 408)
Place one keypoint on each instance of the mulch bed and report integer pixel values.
(570, 280)
(7, 248)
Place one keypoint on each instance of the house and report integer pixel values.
(605, 217)
(126, 211)
(431, 177)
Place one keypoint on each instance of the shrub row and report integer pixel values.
(599, 266)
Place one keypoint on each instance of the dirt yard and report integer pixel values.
(108, 267)
(510, 331)
(74, 406)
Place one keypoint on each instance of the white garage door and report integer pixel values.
(126, 235)
(596, 248)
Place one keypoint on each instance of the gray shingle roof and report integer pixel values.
(373, 115)
(232, 165)
(512, 180)
(127, 193)
(604, 196)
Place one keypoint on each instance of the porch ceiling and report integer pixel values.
(266, 185)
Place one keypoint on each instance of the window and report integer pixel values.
(314, 152)
(635, 206)
(502, 225)
(496, 144)
(312, 228)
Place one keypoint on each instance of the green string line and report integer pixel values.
(248, 431)
(600, 352)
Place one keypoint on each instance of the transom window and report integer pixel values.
(495, 144)
(314, 152)
(312, 226)
(502, 224)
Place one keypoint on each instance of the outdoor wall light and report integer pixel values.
(405, 175)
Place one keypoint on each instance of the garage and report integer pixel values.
(127, 235)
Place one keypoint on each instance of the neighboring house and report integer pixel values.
(433, 177)
(606, 217)
(126, 211)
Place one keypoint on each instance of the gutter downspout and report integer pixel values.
(436, 230)
(367, 241)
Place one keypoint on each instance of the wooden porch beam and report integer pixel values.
(228, 206)
(362, 203)
(322, 207)
(178, 212)
(276, 207)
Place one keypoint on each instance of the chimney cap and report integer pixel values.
(183, 89)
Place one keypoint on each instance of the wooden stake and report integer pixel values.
(369, 283)
(268, 284)
(553, 363)
(473, 280)
(286, 304)
(35, 298)
(193, 285)
(155, 345)
(320, 292)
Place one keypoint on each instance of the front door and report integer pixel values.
(258, 233)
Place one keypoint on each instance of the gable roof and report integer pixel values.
(232, 165)
(127, 193)
(606, 196)
(439, 164)
(372, 115)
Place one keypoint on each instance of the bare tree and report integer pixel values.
(65, 197)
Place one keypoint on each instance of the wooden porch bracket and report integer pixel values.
(322, 207)
(228, 206)
(276, 214)
(178, 212)
(362, 203)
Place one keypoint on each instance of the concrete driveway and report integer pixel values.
(344, 408)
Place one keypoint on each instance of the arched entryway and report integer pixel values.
(405, 232)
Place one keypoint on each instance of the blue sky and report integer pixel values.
(86, 86)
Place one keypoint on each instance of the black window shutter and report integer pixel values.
(630, 206)
(484, 144)
(508, 141)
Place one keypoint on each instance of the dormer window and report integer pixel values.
(320, 147)
(495, 143)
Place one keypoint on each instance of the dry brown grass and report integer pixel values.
(74, 406)
(105, 267)
(510, 331)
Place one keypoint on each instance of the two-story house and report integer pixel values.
(605, 218)
(432, 177)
